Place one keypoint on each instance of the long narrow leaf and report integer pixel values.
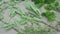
(32, 8)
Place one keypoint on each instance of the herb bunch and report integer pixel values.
(33, 16)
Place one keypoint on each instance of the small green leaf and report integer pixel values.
(1, 10)
(58, 8)
(8, 6)
(1, 2)
(47, 32)
(49, 1)
(20, 12)
(22, 21)
(12, 13)
(33, 9)
(8, 26)
(52, 6)
(48, 7)
(19, 33)
(50, 15)
(14, 2)
(1, 17)
(39, 3)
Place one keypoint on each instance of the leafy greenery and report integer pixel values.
(33, 9)
(39, 3)
(14, 2)
(1, 17)
(49, 1)
(32, 30)
(58, 8)
(52, 6)
(12, 13)
(33, 15)
(1, 2)
(1, 10)
(48, 7)
(50, 15)
(8, 26)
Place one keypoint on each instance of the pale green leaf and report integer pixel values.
(12, 13)
(20, 12)
(1, 17)
(1, 2)
(21, 21)
(8, 26)
(33, 9)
